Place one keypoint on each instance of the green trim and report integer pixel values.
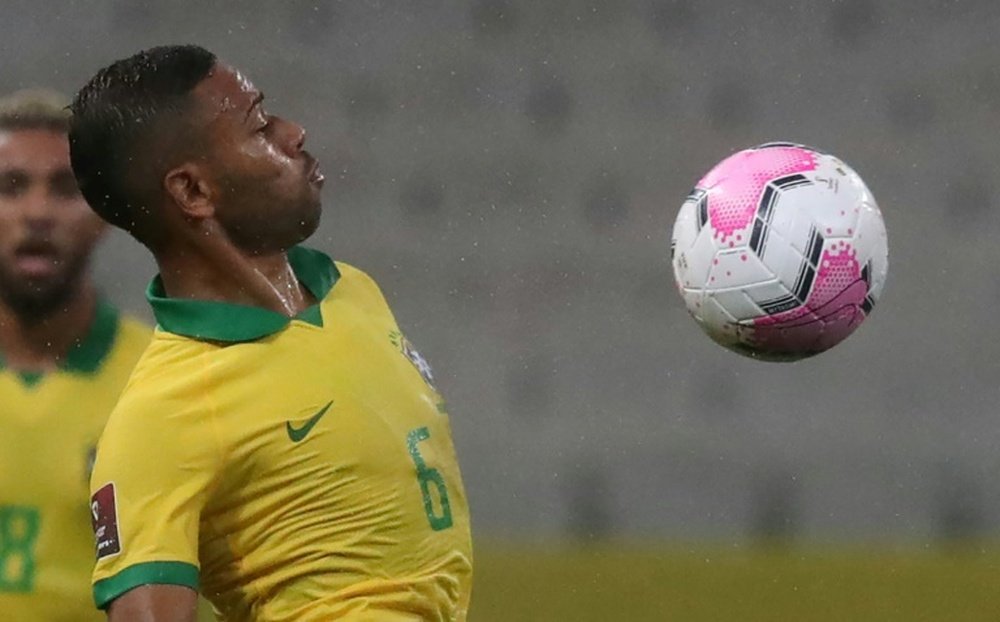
(224, 321)
(311, 315)
(148, 573)
(30, 378)
(86, 355)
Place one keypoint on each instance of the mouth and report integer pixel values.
(36, 258)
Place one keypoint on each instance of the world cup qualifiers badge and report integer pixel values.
(104, 514)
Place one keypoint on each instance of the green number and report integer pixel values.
(18, 532)
(428, 476)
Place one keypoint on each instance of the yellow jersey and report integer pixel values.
(295, 469)
(51, 423)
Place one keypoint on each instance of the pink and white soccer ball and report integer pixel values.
(780, 252)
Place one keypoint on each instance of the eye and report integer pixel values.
(13, 184)
(63, 185)
(264, 123)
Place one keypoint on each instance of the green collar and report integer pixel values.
(223, 321)
(85, 356)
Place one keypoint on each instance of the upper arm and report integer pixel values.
(155, 603)
(156, 463)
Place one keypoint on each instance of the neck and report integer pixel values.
(40, 344)
(215, 270)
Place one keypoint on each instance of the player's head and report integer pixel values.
(47, 232)
(171, 144)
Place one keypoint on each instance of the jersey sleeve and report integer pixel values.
(156, 462)
(367, 290)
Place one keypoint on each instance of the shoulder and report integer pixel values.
(121, 340)
(358, 289)
(133, 334)
(352, 274)
(169, 377)
(356, 282)
(163, 409)
(171, 367)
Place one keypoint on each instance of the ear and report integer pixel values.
(190, 191)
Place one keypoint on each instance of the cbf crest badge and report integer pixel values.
(406, 349)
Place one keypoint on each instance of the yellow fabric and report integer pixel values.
(49, 431)
(207, 472)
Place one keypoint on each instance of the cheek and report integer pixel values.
(82, 223)
(263, 155)
(275, 163)
(10, 225)
(261, 173)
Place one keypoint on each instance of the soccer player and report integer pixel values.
(65, 355)
(281, 444)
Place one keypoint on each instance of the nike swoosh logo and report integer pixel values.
(299, 433)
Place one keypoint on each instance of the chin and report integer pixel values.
(309, 223)
(36, 302)
(297, 236)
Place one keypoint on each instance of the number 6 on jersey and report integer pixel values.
(427, 476)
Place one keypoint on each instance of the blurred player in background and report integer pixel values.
(281, 443)
(65, 355)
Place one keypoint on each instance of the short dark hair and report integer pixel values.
(115, 119)
(34, 109)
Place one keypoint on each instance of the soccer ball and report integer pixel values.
(780, 252)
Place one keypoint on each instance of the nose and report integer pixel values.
(294, 137)
(37, 210)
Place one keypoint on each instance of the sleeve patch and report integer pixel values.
(104, 512)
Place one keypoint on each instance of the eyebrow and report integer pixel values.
(258, 98)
